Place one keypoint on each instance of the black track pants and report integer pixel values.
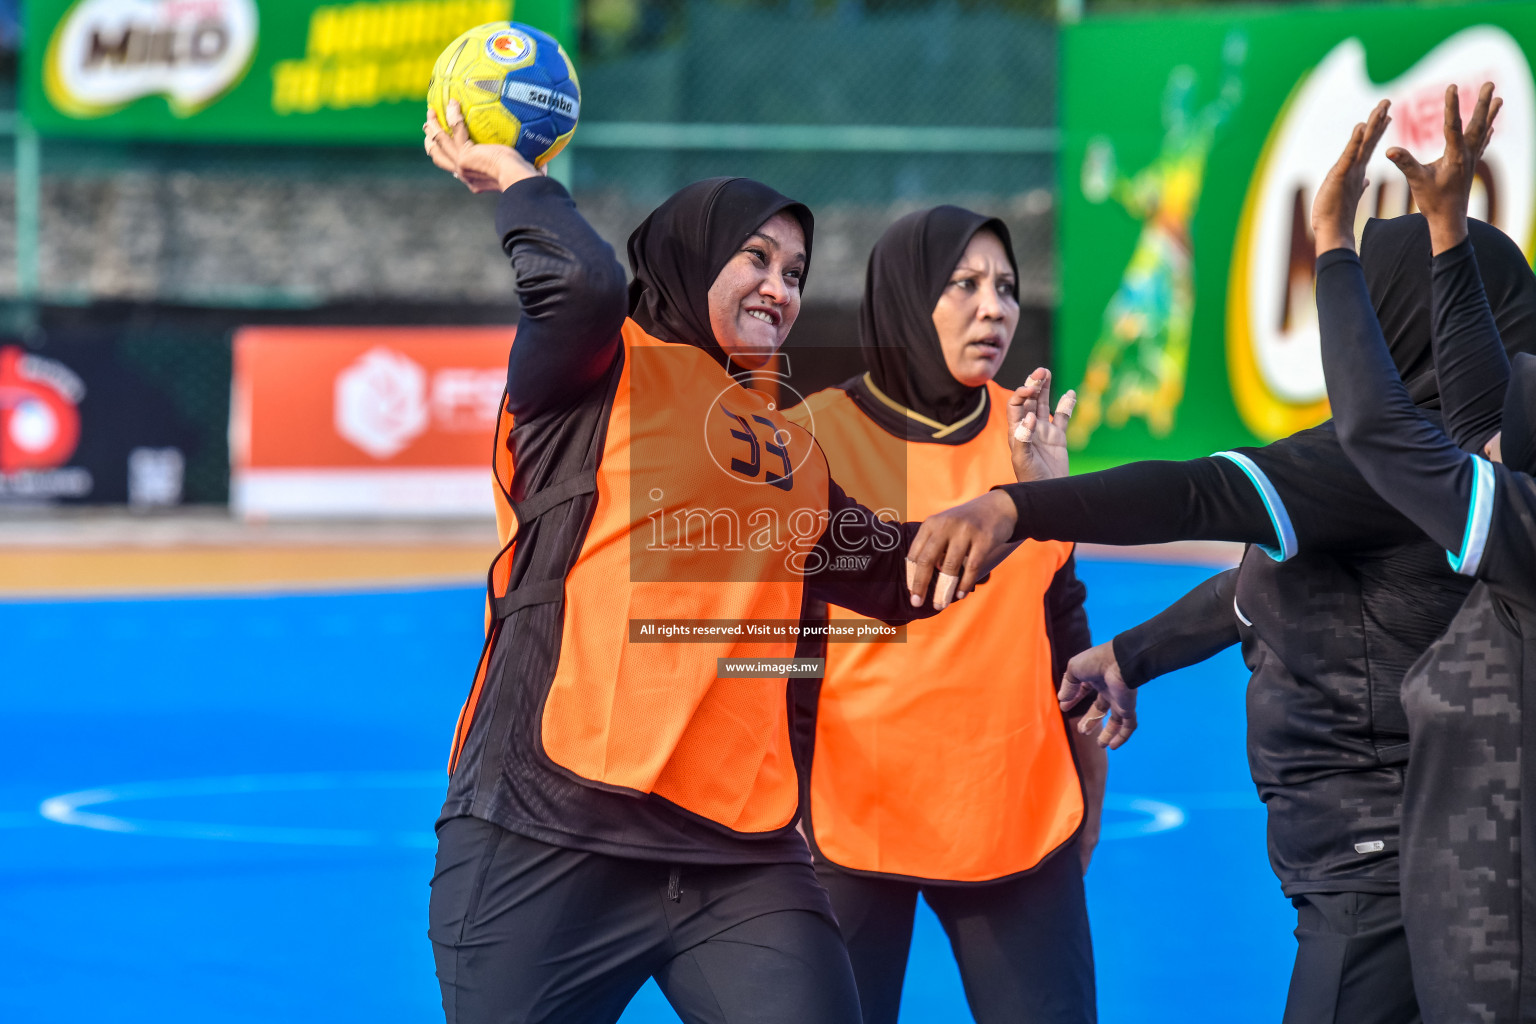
(524, 931)
(1351, 962)
(1022, 945)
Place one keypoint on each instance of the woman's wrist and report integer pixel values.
(1331, 238)
(1446, 232)
(511, 169)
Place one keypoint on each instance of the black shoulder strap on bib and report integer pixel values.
(545, 501)
(553, 496)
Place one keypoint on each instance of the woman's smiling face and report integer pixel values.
(756, 296)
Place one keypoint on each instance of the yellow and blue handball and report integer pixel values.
(516, 86)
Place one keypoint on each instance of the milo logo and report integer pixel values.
(104, 54)
(1273, 355)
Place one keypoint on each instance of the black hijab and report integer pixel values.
(677, 252)
(1395, 255)
(909, 269)
(1518, 445)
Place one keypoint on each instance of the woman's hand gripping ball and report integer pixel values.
(480, 167)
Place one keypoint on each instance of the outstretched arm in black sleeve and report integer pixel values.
(1298, 493)
(859, 562)
(1408, 460)
(1197, 626)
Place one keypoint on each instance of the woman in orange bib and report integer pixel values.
(943, 765)
(623, 797)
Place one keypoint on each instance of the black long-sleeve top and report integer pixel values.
(1468, 505)
(1346, 595)
(1473, 371)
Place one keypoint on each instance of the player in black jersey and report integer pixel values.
(1469, 859)
(1328, 629)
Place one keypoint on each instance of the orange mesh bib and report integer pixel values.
(944, 757)
(706, 501)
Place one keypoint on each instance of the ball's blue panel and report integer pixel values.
(537, 136)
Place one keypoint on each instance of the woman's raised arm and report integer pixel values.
(1407, 459)
(569, 283)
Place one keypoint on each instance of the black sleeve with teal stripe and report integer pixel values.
(1408, 459)
(1298, 493)
(1144, 503)
(572, 292)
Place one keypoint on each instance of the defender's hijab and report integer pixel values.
(1395, 255)
(677, 252)
(909, 268)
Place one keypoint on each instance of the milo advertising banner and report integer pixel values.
(1193, 147)
(248, 70)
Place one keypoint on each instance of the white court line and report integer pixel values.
(1160, 817)
(1234, 800)
(69, 809)
(66, 808)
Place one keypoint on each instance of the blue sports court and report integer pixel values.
(220, 809)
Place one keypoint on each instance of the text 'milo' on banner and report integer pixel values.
(365, 421)
(306, 71)
(1193, 145)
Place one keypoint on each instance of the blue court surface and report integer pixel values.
(220, 810)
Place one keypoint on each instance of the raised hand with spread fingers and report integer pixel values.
(1333, 211)
(1038, 446)
(1442, 188)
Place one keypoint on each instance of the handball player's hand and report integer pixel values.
(1443, 187)
(482, 168)
(1038, 448)
(962, 544)
(1097, 671)
(1333, 211)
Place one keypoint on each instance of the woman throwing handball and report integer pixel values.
(617, 808)
(1469, 850)
(941, 765)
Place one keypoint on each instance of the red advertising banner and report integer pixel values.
(365, 421)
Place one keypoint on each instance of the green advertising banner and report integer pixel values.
(1193, 145)
(249, 70)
